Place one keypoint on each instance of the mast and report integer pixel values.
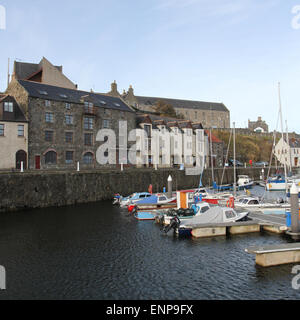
(234, 164)
(211, 155)
(282, 136)
(8, 75)
(290, 149)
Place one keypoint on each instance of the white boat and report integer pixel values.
(254, 204)
(215, 216)
(134, 198)
(244, 182)
(165, 217)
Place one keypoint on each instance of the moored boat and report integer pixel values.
(165, 217)
(216, 216)
(154, 202)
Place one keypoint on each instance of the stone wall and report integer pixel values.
(44, 189)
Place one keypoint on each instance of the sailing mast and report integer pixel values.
(290, 149)
(234, 164)
(212, 158)
(282, 136)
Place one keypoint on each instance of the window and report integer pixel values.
(49, 136)
(69, 119)
(47, 103)
(20, 131)
(88, 139)
(88, 123)
(68, 106)
(147, 128)
(230, 214)
(204, 209)
(69, 137)
(64, 96)
(1, 130)
(106, 124)
(49, 117)
(44, 93)
(8, 107)
(51, 157)
(69, 157)
(88, 158)
(88, 107)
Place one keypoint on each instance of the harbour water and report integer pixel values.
(96, 251)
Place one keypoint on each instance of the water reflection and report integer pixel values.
(96, 251)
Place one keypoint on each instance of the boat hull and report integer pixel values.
(144, 216)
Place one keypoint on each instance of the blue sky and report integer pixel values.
(230, 51)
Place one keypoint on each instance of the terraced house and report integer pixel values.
(63, 123)
(13, 134)
(168, 142)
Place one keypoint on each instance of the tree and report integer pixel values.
(164, 109)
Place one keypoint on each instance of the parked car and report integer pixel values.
(237, 163)
(261, 164)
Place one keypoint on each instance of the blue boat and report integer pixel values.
(223, 187)
(144, 216)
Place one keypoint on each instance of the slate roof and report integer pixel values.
(169, 122)
(187, 104)
(23, 70)
(35, 90)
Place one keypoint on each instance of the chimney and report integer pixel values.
(114, 87)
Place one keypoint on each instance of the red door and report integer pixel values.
(37, 162)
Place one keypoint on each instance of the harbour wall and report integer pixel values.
(20, 191)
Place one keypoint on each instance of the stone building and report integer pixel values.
(217, 147)
(43, 72)
(258, 126)
(13, 134)
(64, 123)
(210, 114)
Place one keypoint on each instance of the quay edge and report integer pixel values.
(34, 189)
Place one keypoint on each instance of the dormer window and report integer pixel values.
(47, 103)
(44, 93)
(8, 107)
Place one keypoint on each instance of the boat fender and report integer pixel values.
(131, 208)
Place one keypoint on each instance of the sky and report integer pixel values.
(230, 51)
